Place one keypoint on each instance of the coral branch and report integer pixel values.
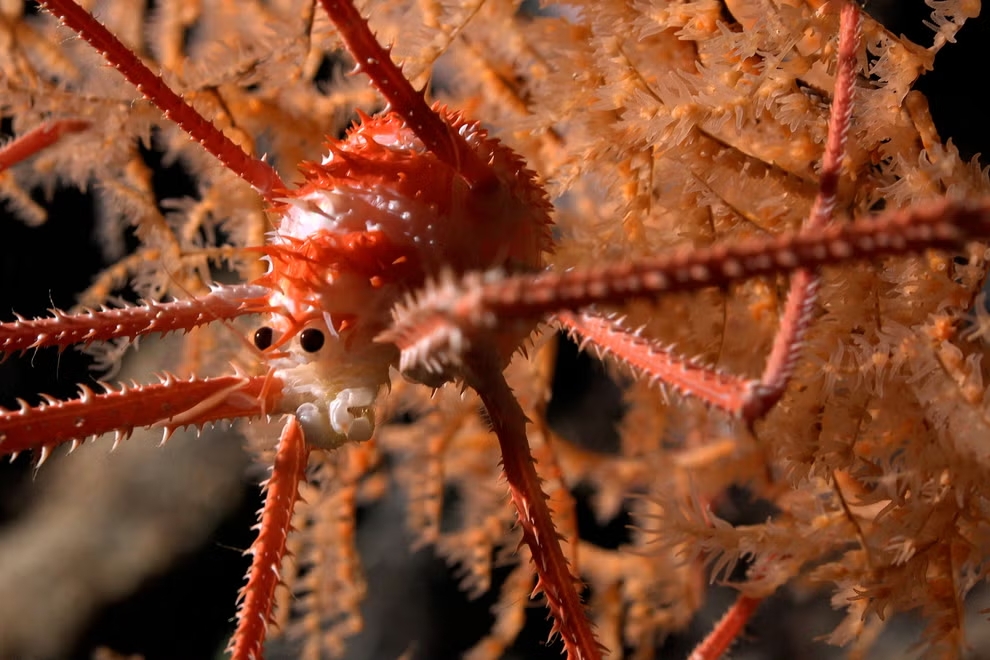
(257, 596)
(374, 60)
(37, 139)
(170, 404)
(62, 330)
(555, 579)
(257, 172)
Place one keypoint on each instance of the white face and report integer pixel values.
(331, 367)
(329, 385)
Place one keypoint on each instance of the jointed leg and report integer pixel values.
(37, 139)
(436, 332)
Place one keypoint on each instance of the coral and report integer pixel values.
(652, 126)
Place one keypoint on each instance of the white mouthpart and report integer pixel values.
(349, 417)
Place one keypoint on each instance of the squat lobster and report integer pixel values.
(370, 266)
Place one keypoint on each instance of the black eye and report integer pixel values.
(263, 337)
(311, 340)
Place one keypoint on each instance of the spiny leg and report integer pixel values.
(258, 594)
(555, 578)
(37, 139)
(804, 282)
(660, 365)
(257, 172)
(170, 404)
(374, 60)
(483, 373)
(63, 330)
(436, 325)
(753, 399)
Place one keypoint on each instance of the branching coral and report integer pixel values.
(652, 125)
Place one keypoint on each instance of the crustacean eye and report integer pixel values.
(263, 337)
(311, 340)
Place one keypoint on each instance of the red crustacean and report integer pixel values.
(385, 210)
(418, 242)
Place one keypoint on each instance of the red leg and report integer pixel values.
(64, 330)
(557, 583)
(258, 595)
(434, 327)
(170, 404)
(610, 339)
(37, 139)
(374, 60)
(727, 630)
(804, 283)
(257, 172)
